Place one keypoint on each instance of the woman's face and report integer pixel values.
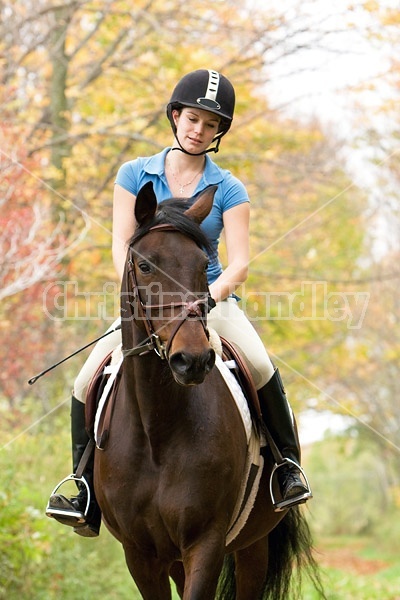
(195, 128)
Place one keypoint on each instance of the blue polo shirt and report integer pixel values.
(133, 174)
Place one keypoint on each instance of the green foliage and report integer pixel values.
(361, 567)
(348, 585)
(354, 519)
(349, 482)
(41, 559)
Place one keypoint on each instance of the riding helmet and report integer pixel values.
(208, 90)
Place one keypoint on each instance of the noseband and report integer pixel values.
(193, 309)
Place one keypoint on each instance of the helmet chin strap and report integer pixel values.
(182, 149)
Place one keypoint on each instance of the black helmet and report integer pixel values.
(208, 90)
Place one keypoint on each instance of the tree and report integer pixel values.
(87, 79)
(32, 251)
(370, 377)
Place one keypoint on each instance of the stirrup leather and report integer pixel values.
(75, 514)
(282, 504)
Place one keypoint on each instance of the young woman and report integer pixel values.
(200, 112)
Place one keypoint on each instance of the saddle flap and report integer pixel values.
(242, 373)
(100, 397)
(94, 392)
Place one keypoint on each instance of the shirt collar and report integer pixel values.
(156, 166)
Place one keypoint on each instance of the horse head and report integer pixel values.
(165, 291)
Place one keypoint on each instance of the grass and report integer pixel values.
(357, 568)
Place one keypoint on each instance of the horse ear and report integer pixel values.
(202, 205)
(146, 204)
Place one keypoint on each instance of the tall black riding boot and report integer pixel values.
(83, 516)
(278, 418)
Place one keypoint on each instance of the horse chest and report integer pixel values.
(160, 503)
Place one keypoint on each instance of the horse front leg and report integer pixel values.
(151, 577)
(202, 564)
(251, 566)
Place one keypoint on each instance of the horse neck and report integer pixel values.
(157, 402)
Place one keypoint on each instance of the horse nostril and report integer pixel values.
(210, 360)
(180, 362)
(192, 368)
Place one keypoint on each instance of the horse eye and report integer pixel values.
(144, 268)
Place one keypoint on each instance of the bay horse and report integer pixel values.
(169, 476)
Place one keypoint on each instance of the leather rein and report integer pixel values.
(194, 309)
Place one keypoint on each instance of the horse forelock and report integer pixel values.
(172, 212)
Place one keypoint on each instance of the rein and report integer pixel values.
(192, 309)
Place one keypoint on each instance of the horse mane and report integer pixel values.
(172, 212)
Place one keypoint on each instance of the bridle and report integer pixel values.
(193, 309)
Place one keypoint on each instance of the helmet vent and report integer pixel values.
(209, 100)
(208, 103)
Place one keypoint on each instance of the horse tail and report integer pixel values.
(226, 589)
(289, 557)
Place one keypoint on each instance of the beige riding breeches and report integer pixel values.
(228, 320)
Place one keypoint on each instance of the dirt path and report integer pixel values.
(347, 559)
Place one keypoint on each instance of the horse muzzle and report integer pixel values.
(191, 369)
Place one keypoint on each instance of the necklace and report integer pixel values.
(182, 186)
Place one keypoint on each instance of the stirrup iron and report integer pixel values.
(280, 505)
(79, 516)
